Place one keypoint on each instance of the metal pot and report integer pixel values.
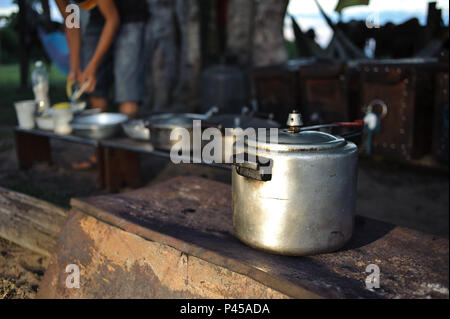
(225, 87)
(162, 125)
(298, 196)
(236, 124)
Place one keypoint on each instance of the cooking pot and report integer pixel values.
(162, 125)
(233, 125)
(296, 196)
(225, 87)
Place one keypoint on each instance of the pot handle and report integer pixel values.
(213, 110)
(148, 124)
(260, 170)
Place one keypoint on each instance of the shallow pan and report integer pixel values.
(98, 126)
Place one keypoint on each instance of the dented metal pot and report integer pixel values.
(297, 196)
(162, 126)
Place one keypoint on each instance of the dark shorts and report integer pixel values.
(123, 64)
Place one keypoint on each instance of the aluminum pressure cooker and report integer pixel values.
(296, 196)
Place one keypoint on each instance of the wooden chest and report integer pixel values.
(406, 87)
(277, 90)
(440, 123)
(318, 89)
(324, 92)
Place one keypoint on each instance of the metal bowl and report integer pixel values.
(137, 129)
(98, 126)
(163, 125)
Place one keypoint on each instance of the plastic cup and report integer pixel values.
(61, 120)
(25, 111)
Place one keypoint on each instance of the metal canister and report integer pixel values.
(297, 197)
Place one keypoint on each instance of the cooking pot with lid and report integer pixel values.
(162, 126)
(297, 194)
(233, 126)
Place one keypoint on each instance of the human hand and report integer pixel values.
(89, 75)
(74, 76)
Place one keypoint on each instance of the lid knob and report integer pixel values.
(295, 121)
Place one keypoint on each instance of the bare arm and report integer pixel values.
(74, 41)
(109, 12)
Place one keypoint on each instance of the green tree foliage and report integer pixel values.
(9, 36)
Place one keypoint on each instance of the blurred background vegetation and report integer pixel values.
(9, 41)
(10, 90)
(10, 84)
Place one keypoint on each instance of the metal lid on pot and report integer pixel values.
(292, 139)
(174, 120)
(233, 121)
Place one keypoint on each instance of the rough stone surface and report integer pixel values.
(193, 216)
(118, 264)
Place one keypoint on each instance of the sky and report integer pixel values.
(397, 11)
(308, 16)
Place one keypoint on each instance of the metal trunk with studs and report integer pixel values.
(405, 87)
(441, 123)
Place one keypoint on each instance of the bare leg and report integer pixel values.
(87, 164)
(96, 102)
(129, 108)
(99, 102)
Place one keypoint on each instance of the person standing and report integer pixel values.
(111, 47)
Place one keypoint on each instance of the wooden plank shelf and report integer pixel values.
(118, 158)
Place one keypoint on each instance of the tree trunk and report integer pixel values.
(190, 55)
(268, 40)
(254, 35)
(240, 29)
(162, 54)
(174, 55)
(46, 10)
(210, 44)
(23, 54)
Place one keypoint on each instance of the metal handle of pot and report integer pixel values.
(211, 112)
(266, 116)
(253, 113)
(358, 125)
(148, 124)
(260, 170)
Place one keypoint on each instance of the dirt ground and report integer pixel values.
(402, 195)
(21, 271)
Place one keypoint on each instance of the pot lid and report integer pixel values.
(292, 139)
(174, 120)
(233, 121)
(289, 141)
